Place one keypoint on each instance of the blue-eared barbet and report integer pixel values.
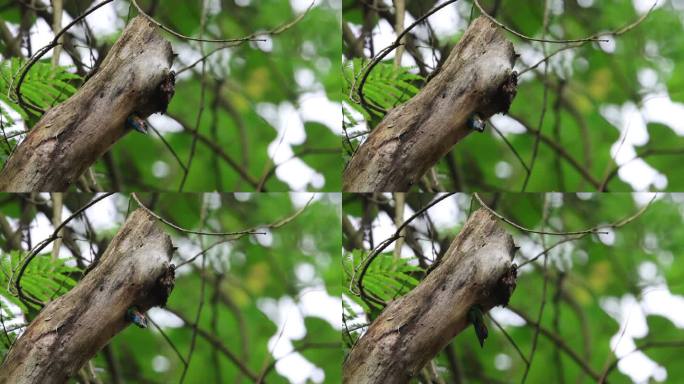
(138, 318)
(475, 316)
(475, 122)
(135, 122)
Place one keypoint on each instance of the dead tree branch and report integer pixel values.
(134, 78)
(134, 271)
(476, 79)
(476, 270)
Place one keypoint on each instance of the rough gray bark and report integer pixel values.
(73, 135)
(133, 271)
(477, 78)
(476, 269)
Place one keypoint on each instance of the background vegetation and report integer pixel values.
(594, 116)
(270, 301)
(611, 304)
(264, 114)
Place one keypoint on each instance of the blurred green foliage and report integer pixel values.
(241, 278)
(584, 277)
(581, 81)
(287, 70)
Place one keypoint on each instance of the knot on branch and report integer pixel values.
(166, 90)
(159, 293)
(500, 100)
(506, 285)
(507, 91)
(165, 285)
(159, 99)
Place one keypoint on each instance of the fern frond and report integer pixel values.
(386, 86)
(43, 86)
(385, 279)
(43, 279)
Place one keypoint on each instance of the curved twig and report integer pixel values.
(44, 243)
(366, 263)
(236, 41)
(520, 35)
(520, 227)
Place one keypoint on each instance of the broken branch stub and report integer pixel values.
(477, 269)
(134, 78)
(134, 271)
(477, 78)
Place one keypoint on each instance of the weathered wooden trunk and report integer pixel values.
(135, 77)
(476, 269)
(69, 331)
(477, 78)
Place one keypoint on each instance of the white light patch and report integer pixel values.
(316, 302)
(300, 199)
(640, 175)
(503, 362)
(298, 175)
(529, 56)
(300, 6)
(315, 106)
(358, 310)
(13, 315)
(658, 300)
(160, 364)
(287, 121)
(286, 314)
(104, 215)
(447, 22)
(629, 120)
(40, 35)
(383, 227)
(242, 196)
(506, 124)
(305, 273)
(305, 78)
(383, 35)
(104, 21)
(607, 236)
(648, 78)
(506, 317)
(160, 169)
(503, 170)
(643, 6)
(636, 365)
(212, 201)
(265, 43)
(631, 315)
(164, 124)
(265, 239)
(164, 318)
(643, 198)
(585, 195)
(361, 124)
(212, 7)
(659, 108)
(607, 43)
(297, 369)
(187, 55)
(556, 7)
